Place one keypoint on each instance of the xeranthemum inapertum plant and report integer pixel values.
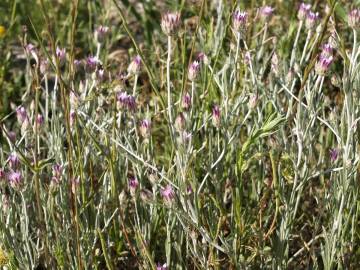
(216, 135)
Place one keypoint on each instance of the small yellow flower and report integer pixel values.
(2, 31)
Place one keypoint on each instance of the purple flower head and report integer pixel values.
(162, 267)
(145, 128)
(189, 189)
(101, 32)
(354, 18)
(170, 23)
(266, 12)
(14, 178)
(91, 63)
(327, 50)
(168, 194)
(121, 99)
(303, 11)
(333, 153)
(133, 185)
(40, 119)
(186, 101)
(194, 70)
(57, 170)
(323, 64)
(311, 19)
(240, 21)
(131, 103)
(61, 55)
(216, 117)
(21, 115)
(135, 66)
(101, 75)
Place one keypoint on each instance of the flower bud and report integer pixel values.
(186, 101)
(14, 161)
(168, 194)
(100, 33)
(266, 12)
(253, 100)
(354, 18)
(180, 122)
(193, 70)
(133, 185)
(240, 21)
(303, 11)
(311, 19)
(91, 64)
(14, 178)
(61, 55)
(216, 117)
(135, 66)
(322, 65)
(145, 128)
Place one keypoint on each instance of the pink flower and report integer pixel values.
(354, 18)
(145, 128)
(14, 161)
(303, 11)
(170, 23)
(216, 117)
(193, 70)
(311, 19)
(101, 32)
(323, 64)
(133, 185)
(266, 12)
(135, 66)
(14, 178)
(168, 194)
(186, 101)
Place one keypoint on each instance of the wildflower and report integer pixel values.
(180, 122)
(216, 116)
(186, 101)
(146, 195)
(21, 115)
(44, 66)
(133, 185)
(327, 50)
(266, 12)
(253, 100)
(40, 119)
(168, 194)
(247, 58)
(162, 267)
(333, 153)
(57, 170)
(323, 64)
(14, 161)
(303, 11)
(170, 23)
(121, 99)
(90, 64)
(135, 66)
(100, 33)
(30, 48)
(145, 128)
(61, 55)
(193, 70)
(311, 19)
(14, 178)
(101, 75)
(131, 103)
(189, 190)
(354, 18)
(240, 21)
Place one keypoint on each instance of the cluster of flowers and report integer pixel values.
(12, 171)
